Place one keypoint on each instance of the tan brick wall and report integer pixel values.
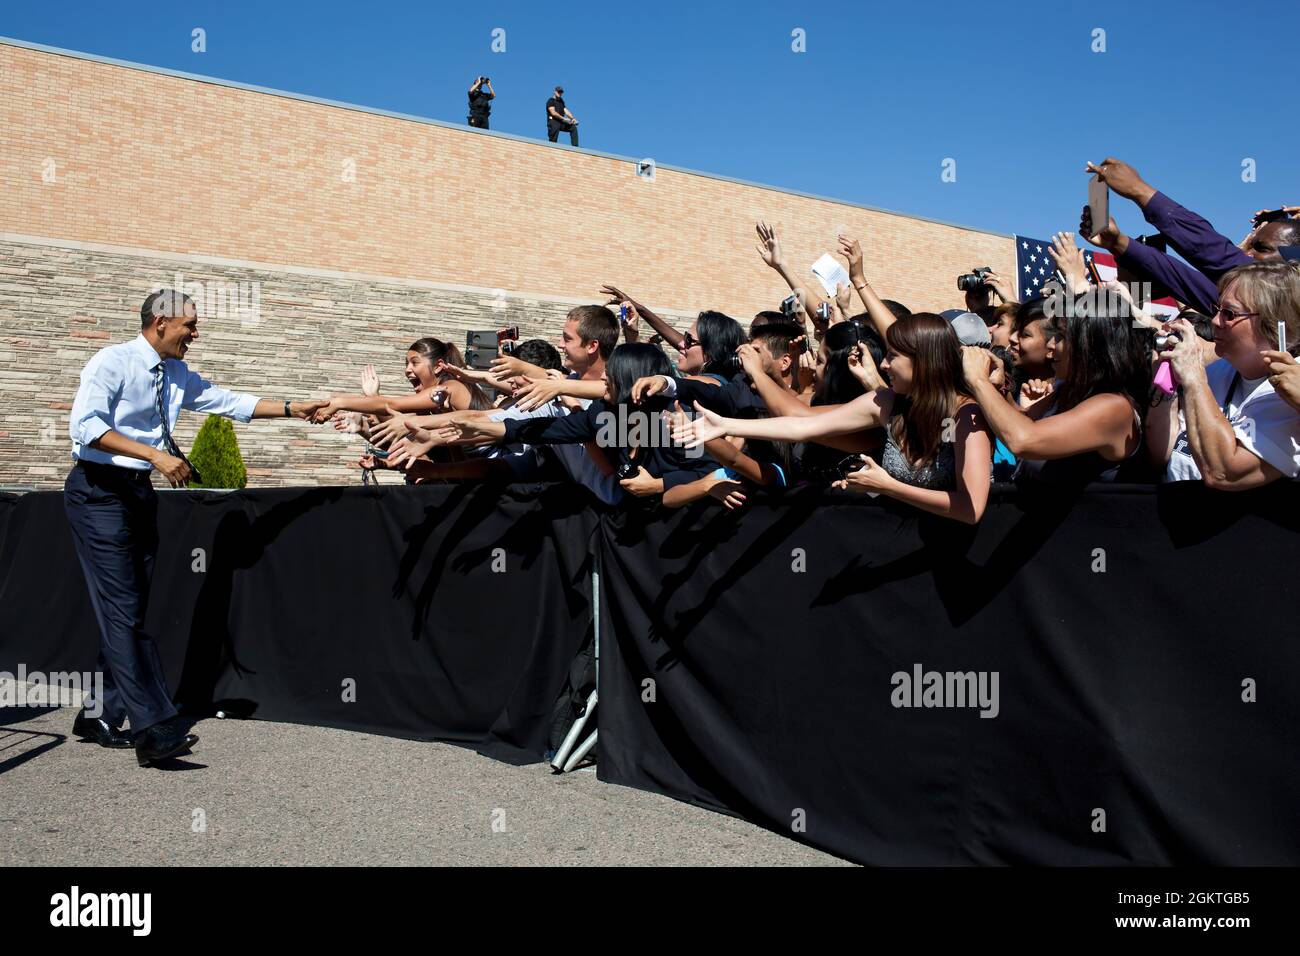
(149, 164)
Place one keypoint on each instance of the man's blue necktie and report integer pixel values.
(160, 405)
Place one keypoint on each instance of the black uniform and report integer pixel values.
(555, 127)
(480, 105)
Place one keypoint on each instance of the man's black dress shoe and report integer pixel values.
(100, 731)
(161, 741)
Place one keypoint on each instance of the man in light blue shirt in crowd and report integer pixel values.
(130, 397)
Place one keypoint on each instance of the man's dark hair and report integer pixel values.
(1288, 232)
(165, 303)
(539, 352)
(900, 311)
(1034, 310)
(763, 318)
(777, 336)
(598, 323)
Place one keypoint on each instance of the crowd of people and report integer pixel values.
(1078, 383)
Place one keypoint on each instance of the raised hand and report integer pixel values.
(369, 381)
(1109, 238)
(851, 250)
(769, 246)
(1069, 259)
(844, 299)
(1123, 179)
(976, 363)
(863, 368)
(1001, 285)
(1284, 375)
(1184, 353)
(614, 293)
(754, 361)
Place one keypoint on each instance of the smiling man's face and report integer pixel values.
(178, 333)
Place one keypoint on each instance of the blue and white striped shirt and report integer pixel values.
(117, 392)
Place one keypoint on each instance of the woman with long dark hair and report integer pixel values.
(709, 348)
(1090, 427)
(937, 454)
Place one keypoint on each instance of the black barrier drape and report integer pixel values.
(747, 665)
(454, 612)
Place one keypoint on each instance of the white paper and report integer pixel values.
(830, 273)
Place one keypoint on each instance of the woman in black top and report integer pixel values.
(1090, 428)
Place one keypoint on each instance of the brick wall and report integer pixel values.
(115, 178)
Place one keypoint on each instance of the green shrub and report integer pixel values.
(216, 455)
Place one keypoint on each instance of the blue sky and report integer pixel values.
(883, 94)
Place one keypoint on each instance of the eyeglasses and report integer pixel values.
(689, 341)
(1233, 317)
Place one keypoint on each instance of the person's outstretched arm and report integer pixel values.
(865, 411)
(1191, 236)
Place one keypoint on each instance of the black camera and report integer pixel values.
(973, 279)
(729, 365)
(627, 469)
(790, 305)
(849, 465)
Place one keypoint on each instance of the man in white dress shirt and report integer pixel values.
(130, 397)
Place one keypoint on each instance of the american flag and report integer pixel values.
(1034, 267)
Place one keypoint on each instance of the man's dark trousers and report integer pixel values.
(113, 513)
(553, 131)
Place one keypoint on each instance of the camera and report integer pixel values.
(1166, 340)
(973, 279)
(849, 465)
(790, 305)
(627, 469)
(729, 364)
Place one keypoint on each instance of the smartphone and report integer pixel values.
(1098, 203)
(1281, 336)
(824, 311)
(622, 315)
(1271, 215)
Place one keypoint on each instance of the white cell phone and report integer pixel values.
(1281, 336)
(1098, 204)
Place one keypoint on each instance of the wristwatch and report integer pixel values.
(287, 413)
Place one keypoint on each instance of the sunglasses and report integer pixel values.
(1230, 316)
(689, 341)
